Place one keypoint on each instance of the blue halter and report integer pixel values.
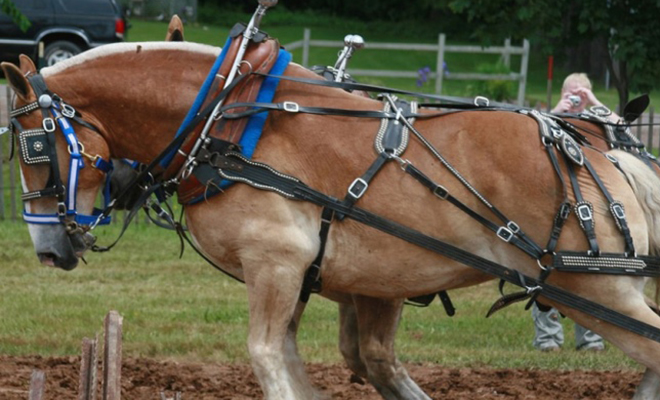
(37, 146)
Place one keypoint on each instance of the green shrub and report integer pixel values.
(498, 90)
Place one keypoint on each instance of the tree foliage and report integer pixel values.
(8, 7)
(628, 29)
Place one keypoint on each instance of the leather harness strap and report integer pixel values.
(265, 177)
(584, 211)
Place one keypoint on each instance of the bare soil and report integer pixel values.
(144, 379)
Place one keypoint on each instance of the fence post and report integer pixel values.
(112, 357)
(506, 55)
(522, 82)
(37, 385)
(440, 66)
(650, 130)
(89, 359)
(306, 38)
(2, 178)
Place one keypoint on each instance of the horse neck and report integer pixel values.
(138, 99)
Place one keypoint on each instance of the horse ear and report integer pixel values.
(635, 107)
(27, 65)
(16, 80)
(175, 30)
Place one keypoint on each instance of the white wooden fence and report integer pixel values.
(441, 48)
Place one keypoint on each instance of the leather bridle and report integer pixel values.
(38, 146)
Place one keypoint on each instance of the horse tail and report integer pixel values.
(645, 183)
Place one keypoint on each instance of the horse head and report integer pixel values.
(60, 170)
(59, 193)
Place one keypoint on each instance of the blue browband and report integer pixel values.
(40, 148)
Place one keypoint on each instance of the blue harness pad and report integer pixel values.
(199, 100)
(255, 124)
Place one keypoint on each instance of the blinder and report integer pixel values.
(34, 147)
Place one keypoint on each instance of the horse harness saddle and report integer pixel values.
(259, 57)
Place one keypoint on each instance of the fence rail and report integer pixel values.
(10, 182)
(441, 48)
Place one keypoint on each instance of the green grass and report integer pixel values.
(185, 310)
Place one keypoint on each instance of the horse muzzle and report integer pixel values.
(56, 247)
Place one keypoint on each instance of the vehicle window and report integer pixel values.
(31, 4)
(39, 4)
(95, 7)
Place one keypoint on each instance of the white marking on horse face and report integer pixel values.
(38, 233)
(25, 190)
(126, 47)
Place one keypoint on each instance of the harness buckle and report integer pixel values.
(441, 192)
(618, 211)
(290, 106)
(481, 101)
(513, 227)
(584, 212)
(68, 111)
(357, 188)
(48, 125)
(61, 209)
(504, 233)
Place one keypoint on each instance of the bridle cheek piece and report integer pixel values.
(37, 146)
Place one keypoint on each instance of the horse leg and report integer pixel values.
(641, 349)
(349, 344)
(378, 320)
(649, 387)
(274, 315)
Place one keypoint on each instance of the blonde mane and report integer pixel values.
(116, 48)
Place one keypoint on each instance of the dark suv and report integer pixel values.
(66, 27)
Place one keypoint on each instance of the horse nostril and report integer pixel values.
(47, 259)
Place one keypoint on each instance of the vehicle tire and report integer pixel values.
(60, 50)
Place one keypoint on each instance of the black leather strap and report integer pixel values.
(502, 232)
(312, 283)
(616, 208)
(583, 210)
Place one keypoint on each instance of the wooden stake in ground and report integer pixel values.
(112, 357)
(88, 363)
(37, 385)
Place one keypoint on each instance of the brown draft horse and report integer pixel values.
(269, 241)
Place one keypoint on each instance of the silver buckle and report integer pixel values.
(618, 211)
(48, 124)
(601, 111)
(290, 106)
(61, 209)
(584, 212)
(505, 234)
(357, 188)
(441, 192)
(513, 227)
(68, 111)
(481, 101)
